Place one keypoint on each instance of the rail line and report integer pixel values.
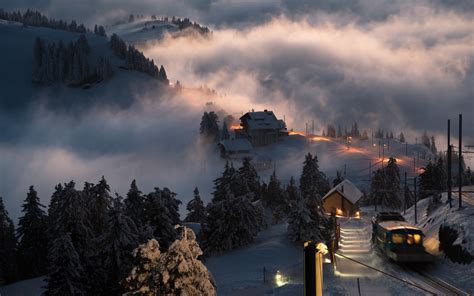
(440, 285)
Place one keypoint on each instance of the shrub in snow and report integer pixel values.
(175, 272)
(450, 244)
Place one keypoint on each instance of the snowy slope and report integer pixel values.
(460, 274)
(31, 287)
(16, 68)
(143, 30)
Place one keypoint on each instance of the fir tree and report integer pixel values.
(222, 184)
(313, 183)
(393, 196)
(250, 178)
(230, 223)
(100, 204)
(196, 209)
(433, 146)
(209, 127)
(225, 132)
(116, 248)
(66, 273)
(275, 199)
(32, 239)
(8, 270)
(303, 225)
(401, 138)
(134, 205)
(425, 140)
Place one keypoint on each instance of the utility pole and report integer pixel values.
(414, 165)
(460, 161)
(416, 218)
(379, 148)
(344, 171)
(449, 165)
(405, 195)
(406, 149)
(313, 128)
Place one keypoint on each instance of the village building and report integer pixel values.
(261, 128)
(343, 200)
(235, 147)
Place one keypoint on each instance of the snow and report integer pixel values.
(459, 274)
(143, 30)
(348, 189)
(31, 287)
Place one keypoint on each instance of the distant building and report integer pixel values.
(235, 147)
(261, 128)
(343, 199)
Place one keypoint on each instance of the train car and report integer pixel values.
(398, 239)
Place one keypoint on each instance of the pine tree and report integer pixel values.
(184, 273)
(433, 146)
(159, 217)
(393, 197)
(134, 205)
(402, 138)
(275, 199)
(292, 191)
(230, 223)
(32, 239)
(313, 183)
(100, 203)
(303, 225)
(196, 209)
(8, 270)
(116, 248)
(426, 140)
(66, 273)
(250, 178)
(222, 184)
(209, 127)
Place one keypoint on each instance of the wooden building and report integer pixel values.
(343, 200)
(261, 128)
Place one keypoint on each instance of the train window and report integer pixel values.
(417, 238)
(398, 238)
(413, 239)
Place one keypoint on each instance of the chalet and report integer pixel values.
(235, 147)
(343, 199)
(261, 128)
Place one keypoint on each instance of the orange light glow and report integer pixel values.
(318, 138)
(235, 126)
(292, 133)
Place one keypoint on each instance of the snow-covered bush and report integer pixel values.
(449, 243)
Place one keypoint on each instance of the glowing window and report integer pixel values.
(398, 238)
(417, 238)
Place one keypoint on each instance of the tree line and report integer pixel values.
(68, 63)
(37, 19)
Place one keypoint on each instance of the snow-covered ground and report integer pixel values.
(31, 287)
(460, 275)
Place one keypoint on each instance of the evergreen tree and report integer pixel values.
(116, 249)
(425, 140)
(313, 183)
(134, 205)
(196, 209)
(433, 146)
(250, 178)
(8, 270)
(66, 273)
(276, 199)
(393, 197)
(100, 204)
(303, 225)
(32, 239)
(209, 127)
(159, 218)
(222, 184)
(292, 191)
(230, 223)
(402, 138)
(433, 179)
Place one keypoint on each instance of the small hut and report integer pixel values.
(343, 199)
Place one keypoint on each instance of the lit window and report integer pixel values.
(417, 238)
(398, 238)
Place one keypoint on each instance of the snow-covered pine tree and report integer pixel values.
(134, 205)
(196, 209)
(183, 273)
(425, 140)
(104, 69)
(163, 76)
(116, 248)
(158, 217)
(32, 239)
(147, 270)
(433, 179)
(394, 196)
(313, 183)
(38, 64)
(401, 138)
(250, 178)
(99, 203)
(292, 191)
(230, 223)
(209, 127)
(303, 226)
(8, 243)
(119, 47)
(222, 184)
(172, 203)
(276, 199)
(66, 273)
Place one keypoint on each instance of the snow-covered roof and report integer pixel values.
(262, 120)
(240, 144)
(348, 190)
(396, 225)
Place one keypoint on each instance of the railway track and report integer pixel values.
(442, 287)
